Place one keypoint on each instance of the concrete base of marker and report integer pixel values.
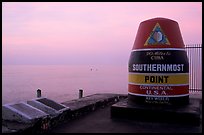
(187, 114)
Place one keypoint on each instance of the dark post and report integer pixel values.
(38, 93)
(80, 93)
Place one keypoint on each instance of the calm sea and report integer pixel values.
(61, 82)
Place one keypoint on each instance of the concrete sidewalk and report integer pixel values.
(100, 121)
(92, 114)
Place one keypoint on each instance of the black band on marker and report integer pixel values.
(162, 61)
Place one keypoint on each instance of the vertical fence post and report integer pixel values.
(195, 66)
(80, 93)
(38, 93)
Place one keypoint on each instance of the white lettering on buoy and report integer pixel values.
(158, 67)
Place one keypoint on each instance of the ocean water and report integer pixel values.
(61, 82)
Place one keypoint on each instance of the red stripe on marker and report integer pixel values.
(169, 90)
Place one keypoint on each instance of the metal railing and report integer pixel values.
(194, 53)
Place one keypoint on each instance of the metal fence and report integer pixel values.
(194, 53)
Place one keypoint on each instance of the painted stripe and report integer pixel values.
(134, 73)
(182, 95)
(158, 68)
(158, 79)
(169, 90)
(158, 84)
(171, 61)
(151, 49)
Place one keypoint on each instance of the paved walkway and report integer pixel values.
(100, 121)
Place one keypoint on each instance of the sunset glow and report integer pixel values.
(100, 33)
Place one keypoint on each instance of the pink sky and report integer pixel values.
(86, 33)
